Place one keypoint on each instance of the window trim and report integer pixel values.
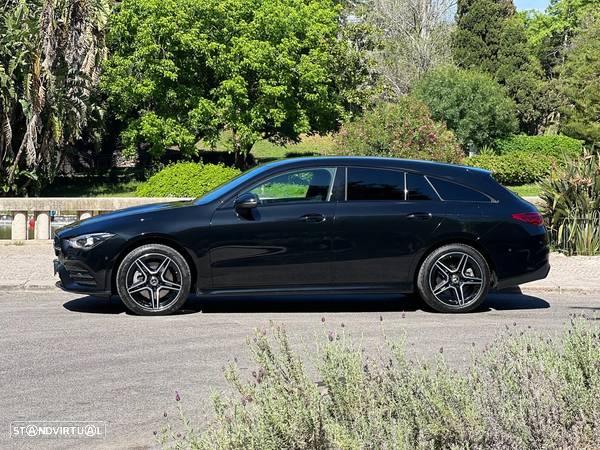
(331, 169)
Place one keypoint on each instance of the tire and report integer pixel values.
(153, 280)
(454, 278)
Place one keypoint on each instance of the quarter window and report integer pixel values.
(375, 184)
(418, 188)
(303, 185)
(455, 192)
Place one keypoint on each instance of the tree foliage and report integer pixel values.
(551, 32)
(580, 83)
(182, 70)
(411, 37)
(50, 54)
(490, 38)
(471, 104)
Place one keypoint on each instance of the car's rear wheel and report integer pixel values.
(153, 279)
(454, 278)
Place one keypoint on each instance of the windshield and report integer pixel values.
(229, 186)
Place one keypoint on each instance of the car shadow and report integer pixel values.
(496, 301)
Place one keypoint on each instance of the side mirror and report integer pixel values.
(246, 201)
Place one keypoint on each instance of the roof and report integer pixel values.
(425, 167)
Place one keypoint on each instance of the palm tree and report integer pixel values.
(50, 57)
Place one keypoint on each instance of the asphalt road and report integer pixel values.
(68, 357)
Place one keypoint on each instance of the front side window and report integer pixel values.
(374, 184)
(312, 185)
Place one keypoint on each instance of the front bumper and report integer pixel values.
(76, 277)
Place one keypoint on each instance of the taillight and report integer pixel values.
(533, 218)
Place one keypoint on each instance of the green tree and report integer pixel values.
(182, 70)
(404, 129)
(550, 33)
(50, 55)
(491, 38)
(580, 83)
(471, 103)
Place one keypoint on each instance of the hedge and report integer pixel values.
(186, 179)
(514, 168)
(558, 146)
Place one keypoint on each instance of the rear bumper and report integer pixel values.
(537, 274)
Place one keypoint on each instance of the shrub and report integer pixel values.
(404, 129)
(186, 179)
(571, 196)
(558, 146)
(524, 392)
(514, 168)
(471, 104)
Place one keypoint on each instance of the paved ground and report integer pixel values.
(70, 357)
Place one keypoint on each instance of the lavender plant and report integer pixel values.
(524, 391)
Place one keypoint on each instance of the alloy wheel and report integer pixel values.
(456, 279)
(154, 281)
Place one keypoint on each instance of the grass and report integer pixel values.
(94, 188)
(526, 190)
(265, 151)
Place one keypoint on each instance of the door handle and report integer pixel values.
(419, 216)
(313, 218)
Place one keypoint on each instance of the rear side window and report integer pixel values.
(375, 184)
(418, 188)
(455, 192)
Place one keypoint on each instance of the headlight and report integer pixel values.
(87, 241)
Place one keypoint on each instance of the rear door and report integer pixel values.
(384, 222)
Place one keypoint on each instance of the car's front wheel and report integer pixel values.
(454, 278)
(153, 279)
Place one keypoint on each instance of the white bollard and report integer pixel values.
(84, 215)
(42, 225)
(19, 226)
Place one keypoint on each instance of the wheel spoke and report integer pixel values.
(443, 286)
(443, 268)
(460, 298)
(137, 287)
(143, 267)
(163, 267)
(462, 264)
(166, 284)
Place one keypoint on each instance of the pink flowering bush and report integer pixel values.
(403, 130)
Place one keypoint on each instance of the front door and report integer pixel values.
(284, 242)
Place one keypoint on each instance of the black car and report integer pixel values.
(314, 225)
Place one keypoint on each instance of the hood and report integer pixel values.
(97, 223)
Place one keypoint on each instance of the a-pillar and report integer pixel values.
(19, 226)
(42, 225)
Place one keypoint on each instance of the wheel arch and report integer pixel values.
(154, 239)
(462, 239)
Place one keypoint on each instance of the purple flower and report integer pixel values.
(177, 397)
(330, 336)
